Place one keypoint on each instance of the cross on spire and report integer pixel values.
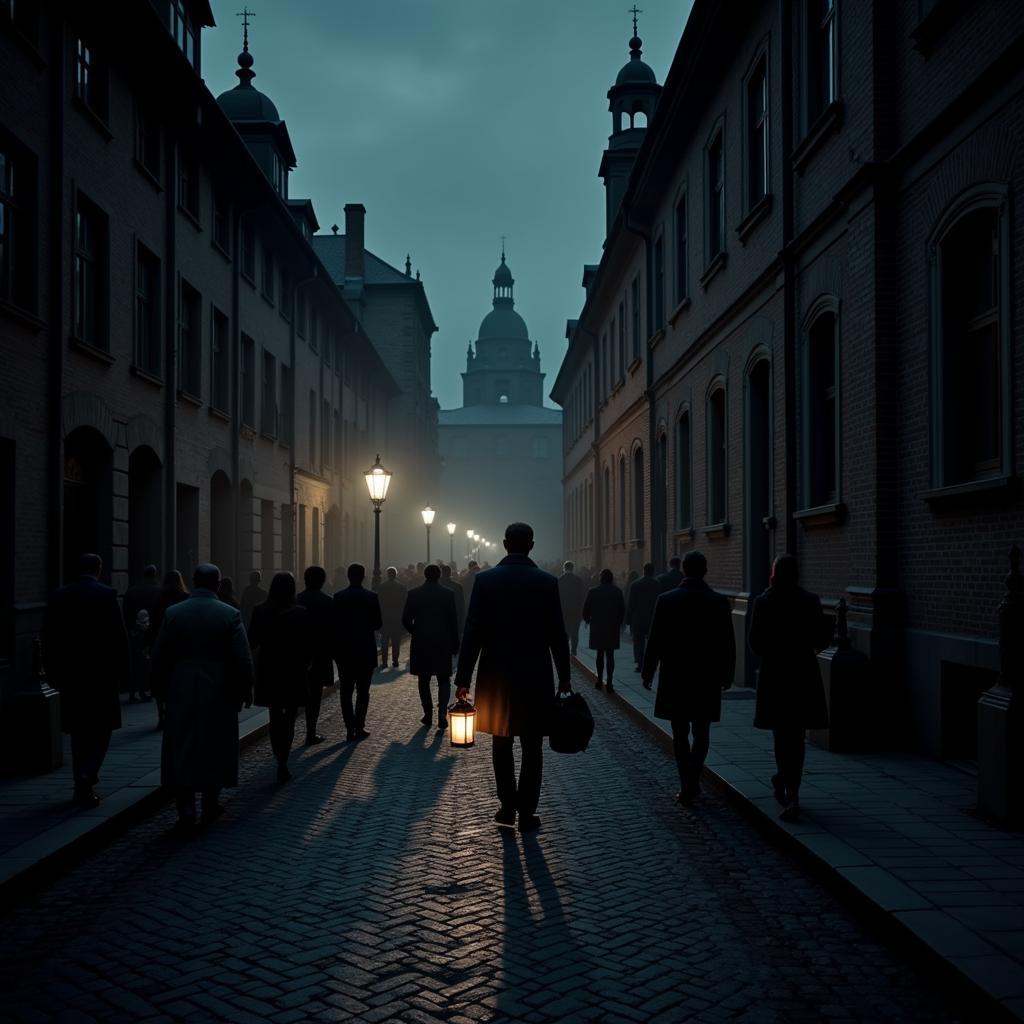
(634, 10)
(503, 248)
(245, 14)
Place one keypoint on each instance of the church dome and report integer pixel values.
(244, 103)
(503, 323)
(635, 70)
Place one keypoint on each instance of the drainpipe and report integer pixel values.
(292, 490)
(595, 448)
(170, 368)
(788, 277)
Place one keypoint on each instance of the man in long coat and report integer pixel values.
(431, 620)
(320, 608)
(253, 595)
(391, 594)
(514, 626)
(571, 593)
(673, 577)
(87, 659)
(356, 621)
(691, 636)
(452, 584)
(203, 660)
(643, 595)
(141, 597)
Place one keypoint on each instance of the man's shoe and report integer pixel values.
(791, 812)
(597, 685)
(394, 664)
(505, 817)
(686, 797)
(350, 735)
(313, 737)
(609, 687)
(442, 724)
(361, 734)
(779, 789)
(528, 823)
(427, 719)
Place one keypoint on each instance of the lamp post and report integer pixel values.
(476, 543)
(469, 546)
(378, 480)
(428, 517)
(451, 543)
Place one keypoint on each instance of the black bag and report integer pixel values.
(571, 724)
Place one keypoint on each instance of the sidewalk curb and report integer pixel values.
(854, 897)
(21, 886)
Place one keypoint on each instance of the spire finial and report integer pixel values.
(245, 14)
(503, 248)
(245, 73)
(635, 11)
(408, 265)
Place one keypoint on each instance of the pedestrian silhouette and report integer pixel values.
(571, 594)
(640, 611)
(226, 591)
(460, 598)
(432, 622)
(356, 618)
(514, 626)
(87, 657)
(692, 639)
(604, 610)
(391, 594)
(172, 592)
(674, 576)
(282, 646)
(253, 595)
(787, 629)
(139, 606)
(203, 660)
(321, 667)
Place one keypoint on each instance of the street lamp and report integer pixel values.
(378, 480)
(469, 538)
(451, 542)
(428, 517)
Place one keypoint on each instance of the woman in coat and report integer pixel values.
(283, 650)
(172, 592)
(604, 610)
(787, 629)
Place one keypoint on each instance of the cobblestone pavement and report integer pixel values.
(375, 887)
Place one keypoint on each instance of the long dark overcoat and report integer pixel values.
(202, 658)
(691, 637)
(787, 629)
(514, 626)
(282, 648)
(320, 622)
(356, 619)
(670, 579)
(571, 593)
(431, 620)
(392, 596)
(604, 611)
(460, 599)
(640, 607)
(86, 654)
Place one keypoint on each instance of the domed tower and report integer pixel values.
(631, 100)
(505, 369)
(258, 122)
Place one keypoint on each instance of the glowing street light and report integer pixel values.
(428, 517)
(451, 527)
(378, 480)
(469, 538)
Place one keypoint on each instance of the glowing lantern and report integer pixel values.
(462, 723)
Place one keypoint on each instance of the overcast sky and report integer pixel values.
(454, 122)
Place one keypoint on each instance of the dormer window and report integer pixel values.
(278, 175)
(184, 31)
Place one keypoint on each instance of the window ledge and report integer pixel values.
(249, 280)
(994, 486)
(148, 175)
(655, 338)
(217, 247)
(190, 398)
(249, 433)
(95, 119)
(190, 217)
(102, 355)
(686, 531)
(268, 299)
(147, 375)
(821, 515)
(267, 435)
(717, 264)
(220, 414)
(828, 121)
(23, 316)
(684, 305)
(637, 363)
(716, 531)
(758, 212)
(618, 385)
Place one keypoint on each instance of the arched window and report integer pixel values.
(639, 119)
(822, 411)
(716, 441)
(622, 499)
(638, 494)
(606, 524)
(684, 489)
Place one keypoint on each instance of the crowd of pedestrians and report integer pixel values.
(203, 656)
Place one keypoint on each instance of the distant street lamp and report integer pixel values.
(378, 480)
(428, 517)
(451, 542)
(469, 537)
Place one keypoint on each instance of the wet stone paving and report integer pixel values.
(375, 887)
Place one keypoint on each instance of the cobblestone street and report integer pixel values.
(375, 887)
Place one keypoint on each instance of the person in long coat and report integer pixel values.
(787, 629)
(253, 595)
(138, 598)
(321, 667)
(673, 576)
(391, 593)
(430, 618)
(87, 658)
(452, 584)
(640, 610)
(604, 611)
(571, 594)
(514, 627)
(692, 639)
(282, 647)
(203, 659)
(356, 619)
(172, 591)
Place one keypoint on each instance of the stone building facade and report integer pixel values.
(804, 331)
(181, 380)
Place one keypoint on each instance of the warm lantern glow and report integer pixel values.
(428, 515)
(378, 479)
(462, 724)
(451, 529)
(476, 537)
(469, 535)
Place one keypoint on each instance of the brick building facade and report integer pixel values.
(803, 333)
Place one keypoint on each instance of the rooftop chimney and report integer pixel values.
(355, 240)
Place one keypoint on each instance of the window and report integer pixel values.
(248, 381)
(820, 53)
(184, 31)
(220, 393)
(190, 341)
(287, 537)
(221, 223)
(287, 406)
(716, 457)
(635, 310)
(607, 518)
(17, 227)
(285, 304)
(638, 494)
(540, 448)
(606, 366)
(622, 342)
(268, 399)
(188, 181)
(300, 312)
(24, 16)
(325, 434)
(268, 273)
(622, 499)
(90, 274)
(684, 500)
(972, 397)
(311, 439)
(147, 138)
(757, 133)
(90, 78)
(822, 411)
(715, 197)
(147, 311)
(249, 253)
(682, 267)
(314, 331)
(659, 284)
(279, 179)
